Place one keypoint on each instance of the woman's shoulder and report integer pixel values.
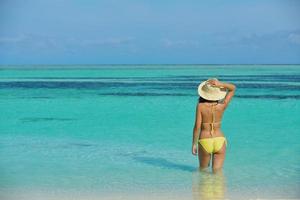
(222, 104)
(200, 106)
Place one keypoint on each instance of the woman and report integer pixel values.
(209, 112)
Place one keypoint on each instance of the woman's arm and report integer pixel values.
(231, 90)
(229, 86)
(196, 130)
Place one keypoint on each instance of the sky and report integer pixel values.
(149, 32)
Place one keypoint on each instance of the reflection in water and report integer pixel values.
(208, 186)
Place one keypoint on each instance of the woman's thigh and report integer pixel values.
(204, 157)
(218, 158)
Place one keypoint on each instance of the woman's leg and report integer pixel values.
(204, 157)
(218, 159)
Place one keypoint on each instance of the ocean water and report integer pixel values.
(127, 130)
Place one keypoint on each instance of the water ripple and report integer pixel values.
(41, 119)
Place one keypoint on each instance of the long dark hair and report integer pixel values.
(202, 100)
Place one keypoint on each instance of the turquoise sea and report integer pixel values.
(123, 131)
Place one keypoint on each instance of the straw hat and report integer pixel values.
(209, 92)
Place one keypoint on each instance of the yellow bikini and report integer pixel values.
(213, 144)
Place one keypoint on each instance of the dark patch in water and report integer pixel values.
(266, 77)
(194, 95)
(164, 163)
(38, 119)
(67, 78)
(268, 86)
(268, 96)
(146, 85)
(87, 85)
(54, 85)
(143, 94)
(41, 97)
(81, 144)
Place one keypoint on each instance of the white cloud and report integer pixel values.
(107, 41)
(47, 42)
(180, 43)
(12, 40)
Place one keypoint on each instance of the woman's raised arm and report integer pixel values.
(229, 86)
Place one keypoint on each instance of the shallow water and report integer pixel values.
(128, 130)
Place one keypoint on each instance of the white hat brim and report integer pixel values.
(208, 96)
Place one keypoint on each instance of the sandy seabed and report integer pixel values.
(130, 196)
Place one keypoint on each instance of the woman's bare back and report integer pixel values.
(207, 110)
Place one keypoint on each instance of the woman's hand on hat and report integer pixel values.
(214, 82)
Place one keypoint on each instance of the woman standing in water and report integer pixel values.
(214, 99)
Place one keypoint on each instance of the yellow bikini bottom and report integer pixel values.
(212, 145)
